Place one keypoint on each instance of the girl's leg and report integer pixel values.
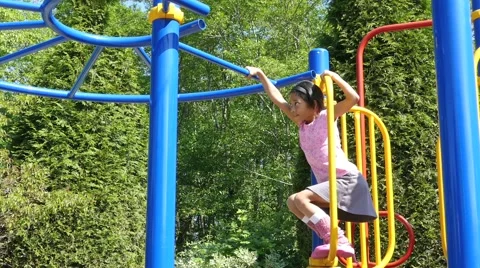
(305, 202)
(293, 208)
(308, 202)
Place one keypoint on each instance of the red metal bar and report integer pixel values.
(360, 79)
(360, 72)
(408, 253)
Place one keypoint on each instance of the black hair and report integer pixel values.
(310, 93)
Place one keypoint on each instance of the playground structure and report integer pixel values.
(458, 115)
(360, 149)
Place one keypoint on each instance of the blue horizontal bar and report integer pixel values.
(32, 49)
(194, 6)
(80, 96)
(86, 69)
(188, 97)
(19, 25)
(101, 40)
(143, 55)
(225, 93)
(20, 5)
(192, 27)
(201, 54)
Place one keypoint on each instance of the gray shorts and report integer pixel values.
(353, 196)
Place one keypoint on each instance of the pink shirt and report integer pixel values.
(314, 143)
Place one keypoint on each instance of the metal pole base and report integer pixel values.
(323, 263)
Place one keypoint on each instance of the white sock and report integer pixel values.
(320, 214)
(305, 219)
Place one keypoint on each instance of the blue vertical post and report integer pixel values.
(161, 199)
(318, 61)
(459, 129)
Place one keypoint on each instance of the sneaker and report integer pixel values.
(321, 252)
(343, 250)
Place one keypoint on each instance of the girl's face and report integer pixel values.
(300, 109)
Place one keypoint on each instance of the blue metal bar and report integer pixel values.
(20, 25)
(225, 93)
(32, 49)
(459, 129)
(143, 55)
(92, 39)
(203, 55)
(188, 97)
(102, 40)
(318, 61)
(192, 27)
(193, 5)
(80, 96)
(161, 193)
(165, 4)
(20, 5)
(86, 69)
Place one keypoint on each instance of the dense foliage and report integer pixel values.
(73, 174)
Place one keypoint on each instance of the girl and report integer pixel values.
(307, 110)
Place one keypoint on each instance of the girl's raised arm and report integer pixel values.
(351, 96)
(272, 92)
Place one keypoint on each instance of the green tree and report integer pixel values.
(237, 156)
(86, 205)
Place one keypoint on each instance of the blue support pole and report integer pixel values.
(165, 4)
(20, 25)
(239, 91)
(192, 5)
(161, 199)
(84, 73)
(20, 5)
(192, 27)
(318, 61)
(143, 55)
(459, 129)
(32, 49)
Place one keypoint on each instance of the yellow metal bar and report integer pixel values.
(332, 169)
(475, 15)
(326, 85)
(343, 123)
(362, 226)
(388, 183)
(348, 225)
(322, 263)
(373, 172)
(441, 201)
(358, 139)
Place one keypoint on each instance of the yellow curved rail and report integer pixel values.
(441, 201)
(374, 120)
(326, 85)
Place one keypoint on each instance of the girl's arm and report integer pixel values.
(272, 92)
(351, 96)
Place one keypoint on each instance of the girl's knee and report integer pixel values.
(291, 200)
(301, 198)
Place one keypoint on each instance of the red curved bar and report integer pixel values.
(408, 253)
(360, 73)
(369, 36)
